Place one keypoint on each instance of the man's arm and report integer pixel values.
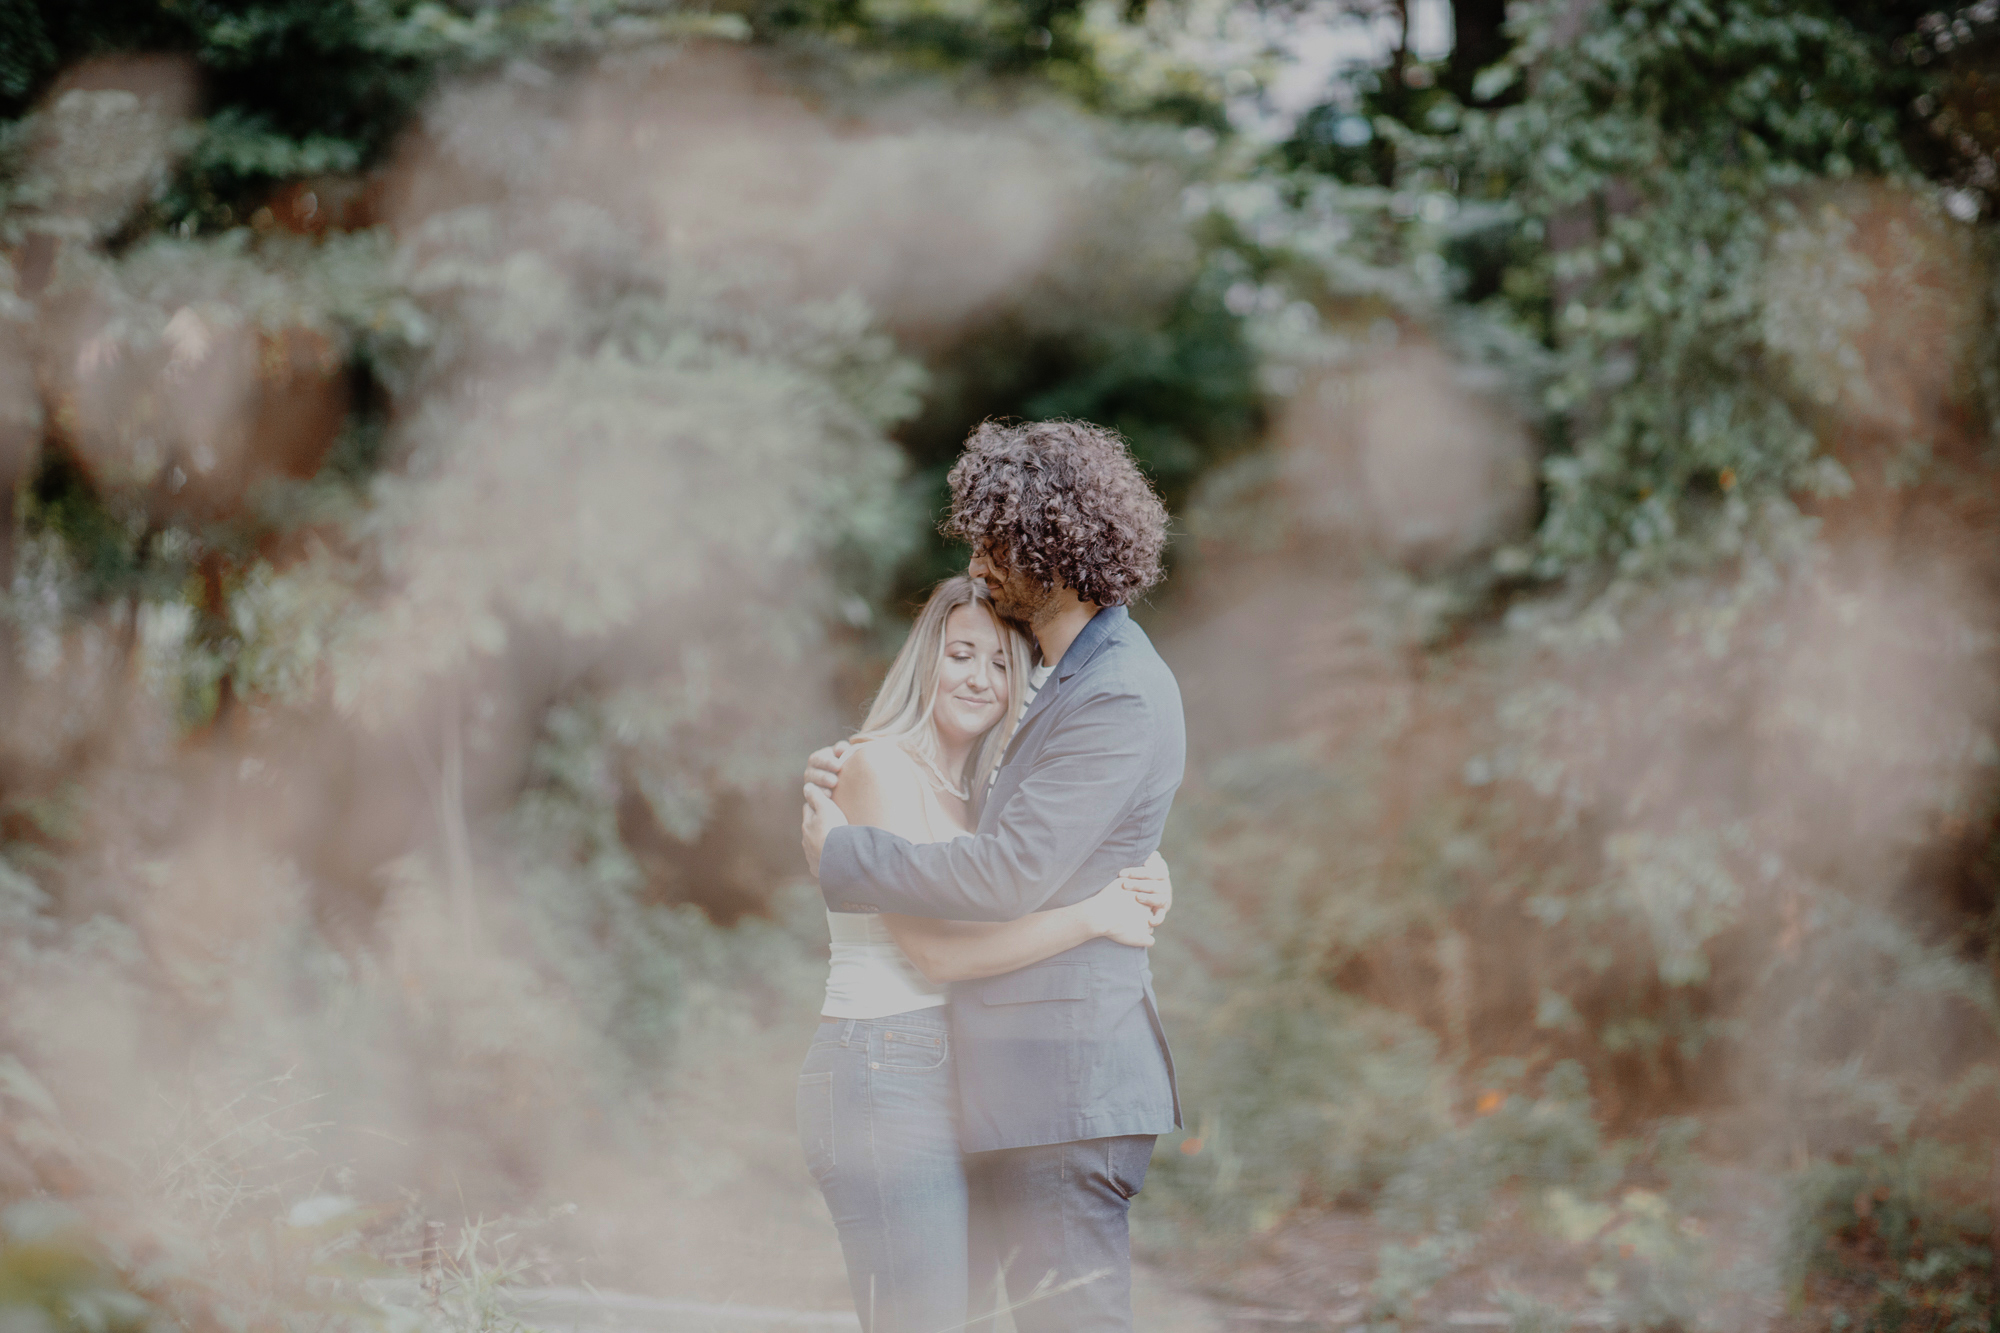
(1081, 785)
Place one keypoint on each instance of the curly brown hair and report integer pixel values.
(1063, 503)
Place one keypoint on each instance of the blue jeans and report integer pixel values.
(878, 1116)
(1052, 1220)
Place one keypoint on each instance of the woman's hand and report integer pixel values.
(1151, 885)
(1117, 914)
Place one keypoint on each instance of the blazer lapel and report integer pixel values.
(1040, 704)
(1094, 636)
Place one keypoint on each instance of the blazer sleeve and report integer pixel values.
(1081, 784)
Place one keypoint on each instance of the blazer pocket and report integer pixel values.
(1068, 981)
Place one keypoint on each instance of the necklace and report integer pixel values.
(937, 779)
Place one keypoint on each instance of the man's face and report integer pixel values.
(1015, 595)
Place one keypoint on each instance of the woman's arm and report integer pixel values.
(967, 950)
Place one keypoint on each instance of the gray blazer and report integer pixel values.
(1070, 1048)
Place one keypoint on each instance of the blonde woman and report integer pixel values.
(877, 1101)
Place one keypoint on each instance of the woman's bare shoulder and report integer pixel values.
(880, 748)
(885, 759)
(880, 784)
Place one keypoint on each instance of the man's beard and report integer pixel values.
(1021, 598)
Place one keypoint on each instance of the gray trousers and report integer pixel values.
(1052, 1222)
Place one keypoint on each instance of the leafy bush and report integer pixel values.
(1901, 1233)
(432, 745)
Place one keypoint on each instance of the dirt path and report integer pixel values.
(1158, 1305)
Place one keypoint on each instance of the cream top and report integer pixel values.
(871, 976)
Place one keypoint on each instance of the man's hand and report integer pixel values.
(823, 769)
(821, 818)
(1151, 885)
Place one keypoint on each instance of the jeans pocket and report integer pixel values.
(918, 1052)
(816, 1124)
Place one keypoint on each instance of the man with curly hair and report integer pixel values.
(1063, 1071)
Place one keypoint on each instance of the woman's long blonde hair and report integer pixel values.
(902, 708)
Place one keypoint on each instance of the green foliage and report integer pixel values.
(1897, 1224)
(1124, 60)
(530, 434)
(1550, 1140)
(53, 1266)
(1405, 1274)
(1305, 1090)
(1679, 888)
(1552, 831)
(666, 492)
(297, 88)
(704, 499)
(1294, 1092)
(1653, 161)
(1636, 198)
(1184, 392)
(1182, 387)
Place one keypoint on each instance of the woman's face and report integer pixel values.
(972, 688)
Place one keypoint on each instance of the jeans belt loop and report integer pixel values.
(847, 1032)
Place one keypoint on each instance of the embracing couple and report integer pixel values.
(980, 1101)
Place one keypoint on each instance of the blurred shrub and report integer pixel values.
(525, 549)
(1628, 881)
(1445, 1184)
(1649, 217)
(475, 690)
(1899, 1235)
(54, 1274)
(303, 91)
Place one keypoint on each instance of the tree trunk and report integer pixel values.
(1477, 42)
(1400, 57)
